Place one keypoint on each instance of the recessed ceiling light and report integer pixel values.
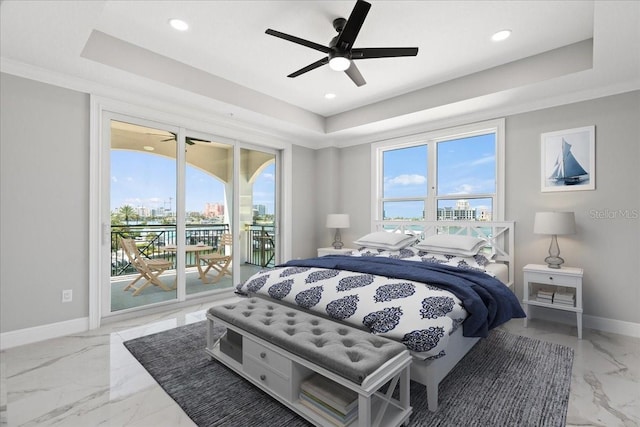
(501, 35)
(179, 24)
(148, 148)
(329, 95)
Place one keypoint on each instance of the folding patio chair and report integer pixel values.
(149, 269)
(220, 260)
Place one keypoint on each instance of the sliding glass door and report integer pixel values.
(189, 214)
(142, 176)
(258, 210)
(208, 213)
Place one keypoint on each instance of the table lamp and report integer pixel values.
(554, 223)
(337, 221)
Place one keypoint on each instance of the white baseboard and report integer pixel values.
(610, 325)
(592, 322)
(40, 333)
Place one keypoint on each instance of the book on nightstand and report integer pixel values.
(564, 297)
(544, 295)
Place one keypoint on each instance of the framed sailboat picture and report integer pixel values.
(568, 160)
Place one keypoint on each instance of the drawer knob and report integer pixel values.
(550, 277)
(263, 355)
(263, 377)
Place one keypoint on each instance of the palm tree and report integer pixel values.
(127, 213)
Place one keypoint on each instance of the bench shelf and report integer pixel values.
(281, 373)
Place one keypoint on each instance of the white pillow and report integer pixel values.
(385, 240)
(476, 262)
(452, 244)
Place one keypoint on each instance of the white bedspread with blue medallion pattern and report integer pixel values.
(419, 315)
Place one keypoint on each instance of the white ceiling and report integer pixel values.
(225, 64)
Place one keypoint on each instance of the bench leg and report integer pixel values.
(364, 411)
(432, 396)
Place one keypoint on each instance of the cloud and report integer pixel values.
(465, 189)
(405, 179)
(482, 160)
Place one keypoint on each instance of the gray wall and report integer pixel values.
(44, 173)
(608, 249)
(304, 216)
(44, 154)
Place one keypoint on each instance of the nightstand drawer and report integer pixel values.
(552, 279)
(276, 361)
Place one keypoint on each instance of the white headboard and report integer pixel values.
(498, 234)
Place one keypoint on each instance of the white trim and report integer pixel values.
(612, 325)
(102, 108)
(602, 324)
(44, 332)
(224, 124)
(431, 139)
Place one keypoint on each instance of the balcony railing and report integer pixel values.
(261, 241)
(151, 239)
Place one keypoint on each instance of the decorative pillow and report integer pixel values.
(452, 244)
(385, 240)
(476, 262)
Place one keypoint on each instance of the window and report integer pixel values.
(450, 175)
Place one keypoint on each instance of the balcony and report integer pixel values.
(257, 251)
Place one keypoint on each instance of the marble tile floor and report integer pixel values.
(90, 379)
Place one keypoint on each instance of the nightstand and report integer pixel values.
(333, 251)
(544, 287)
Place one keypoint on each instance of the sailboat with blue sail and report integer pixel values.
(566, 169)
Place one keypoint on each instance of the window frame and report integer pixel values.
(431, 139)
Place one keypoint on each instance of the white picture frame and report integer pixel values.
(568, 160)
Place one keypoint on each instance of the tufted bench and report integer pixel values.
(350, 353)
(310, 344)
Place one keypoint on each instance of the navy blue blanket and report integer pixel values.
(487, 300)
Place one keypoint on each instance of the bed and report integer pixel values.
(437, 287)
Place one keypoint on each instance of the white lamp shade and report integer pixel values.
(338, 221)
(554, 223)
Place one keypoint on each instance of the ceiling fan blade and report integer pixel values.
(310, 67)
(189, 140)
(298, 40)
(351, 29)
(354, 74)
(383, 52)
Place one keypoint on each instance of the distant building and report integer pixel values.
(143, 212)
(461, 212)
(212, 210)
(260, 210)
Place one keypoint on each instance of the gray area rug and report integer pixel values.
(505, 380)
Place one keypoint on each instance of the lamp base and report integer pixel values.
(554, 261)
(337, 240)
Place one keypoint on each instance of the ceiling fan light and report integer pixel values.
(339, 63)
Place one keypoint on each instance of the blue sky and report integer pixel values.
(465, 166)
(143, 179)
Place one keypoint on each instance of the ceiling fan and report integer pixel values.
(189, 140)
(340, 52)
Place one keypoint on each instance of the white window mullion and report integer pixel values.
(432, 181)
(181, 232)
